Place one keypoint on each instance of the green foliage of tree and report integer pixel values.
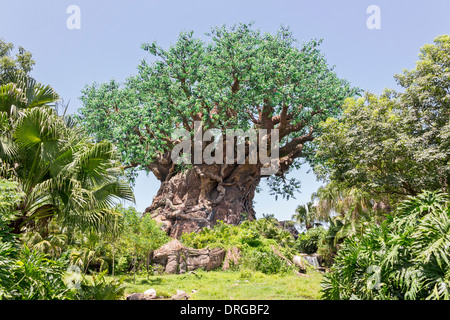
(396, 144)
(22, 62)
(306, 215)
(406, 257)
(25, 274)
(240, 79)
(140, 236)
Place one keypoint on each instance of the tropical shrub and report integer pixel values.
(406, 257)
(38, 278)
(99, 288)
(327, 246)
(309, 241)
(137, 236)
(263, 260)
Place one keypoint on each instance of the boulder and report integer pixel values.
(314, 260)
(175, 257)
(180, 295)
(207, 259)
(151, 293)
(140, 296)
(231, 258)
(300, 262)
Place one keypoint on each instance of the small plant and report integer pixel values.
(99, 288)
(38, 278)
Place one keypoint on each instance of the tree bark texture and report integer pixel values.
(204, 194)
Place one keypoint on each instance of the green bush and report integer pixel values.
(327, 247)
(309, 241)
(264, 261)
(254, 238)
(99, 288)
(406, 257)
(37, 278)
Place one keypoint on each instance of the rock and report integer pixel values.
(174, 257)
(180, 295)
(304, 259)
(314, 259)
(207, 259)
(139, 296)
(231, 258)
(151, 293)
(300, 262)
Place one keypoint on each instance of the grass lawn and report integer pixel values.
(228, 285)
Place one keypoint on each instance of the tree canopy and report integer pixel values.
(398, 143)
(240, 79)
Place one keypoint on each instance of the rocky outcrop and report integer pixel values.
(175, 257)
(313, 259)
(231, 258)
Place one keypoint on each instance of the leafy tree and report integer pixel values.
(305, 215)
(50, 239)
(270, 228)
(396, 144)
(350, 209)
(89, 250)
(24, 274)
(137, 237)
(21, 63)
(240, 79)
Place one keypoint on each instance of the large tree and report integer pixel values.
(239, 79)
(396, 144)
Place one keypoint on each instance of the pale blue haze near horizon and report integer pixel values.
(108, 46)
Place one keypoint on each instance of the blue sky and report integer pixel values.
(108, 46)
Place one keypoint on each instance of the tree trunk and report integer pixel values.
(204, 194)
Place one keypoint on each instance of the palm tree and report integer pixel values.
(61, 171)
(349, 208)
(305, 214)
(17, 93)
(89, 251)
